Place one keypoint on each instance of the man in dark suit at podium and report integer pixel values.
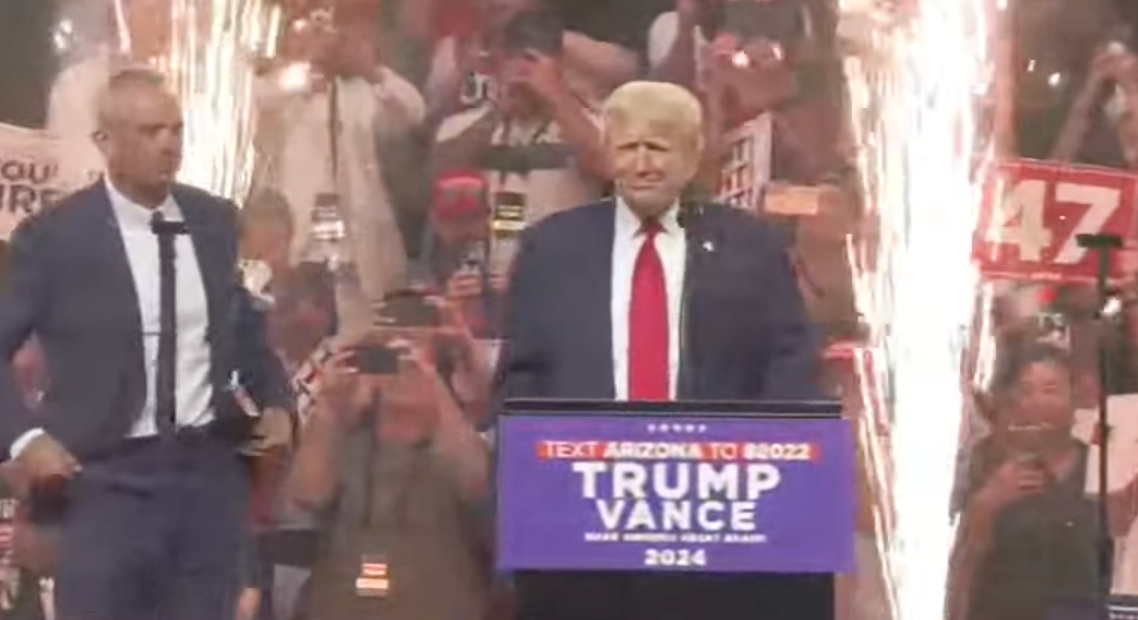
(131, 288)
(650, 297)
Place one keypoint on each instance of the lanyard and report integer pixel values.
(397, 511)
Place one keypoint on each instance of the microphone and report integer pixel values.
(1098, 241)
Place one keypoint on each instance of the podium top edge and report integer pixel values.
(774, 410)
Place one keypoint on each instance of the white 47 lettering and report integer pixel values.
(1020, 218)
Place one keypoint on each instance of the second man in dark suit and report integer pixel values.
(131, 287)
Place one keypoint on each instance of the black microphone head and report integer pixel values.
(1098, 241)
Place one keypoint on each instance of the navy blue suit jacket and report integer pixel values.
(72, 287)
(747, 334)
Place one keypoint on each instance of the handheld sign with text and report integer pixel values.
(674, 491)
(1033, 211)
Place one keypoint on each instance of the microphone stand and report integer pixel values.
(1104, 246)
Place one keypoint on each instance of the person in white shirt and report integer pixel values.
(321, 137)
(159, 374)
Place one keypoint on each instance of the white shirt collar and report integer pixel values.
(628, 223)
(130, 213)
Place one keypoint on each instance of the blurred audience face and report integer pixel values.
(140, 135)
(652, 137)
(267, 240)
(516, 97)
(1042, 397)
(300, 319)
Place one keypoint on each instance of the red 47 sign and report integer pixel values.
(1033, 210)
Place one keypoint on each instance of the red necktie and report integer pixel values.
(648, 323)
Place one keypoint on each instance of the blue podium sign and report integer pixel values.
(672, 492)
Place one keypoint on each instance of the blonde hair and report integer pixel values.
(656, 102)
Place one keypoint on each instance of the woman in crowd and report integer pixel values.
(1028, 531)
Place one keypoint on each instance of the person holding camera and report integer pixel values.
(400, 478)
(323, 116)
(463, 74)
(537, 144)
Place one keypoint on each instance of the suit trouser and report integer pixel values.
(154, 532)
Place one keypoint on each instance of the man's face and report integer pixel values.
(517, 98)
(1042, 399)
(142, 142)
(652, 162)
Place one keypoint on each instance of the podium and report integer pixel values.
(654, 511)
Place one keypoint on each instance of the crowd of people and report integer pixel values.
(403, 146)
(431, 134)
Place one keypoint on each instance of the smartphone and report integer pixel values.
(375, 360)
(408, 310)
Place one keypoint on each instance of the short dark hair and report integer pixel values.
(1011, 366)
(539, 29)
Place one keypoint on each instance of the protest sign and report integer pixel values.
(30, 175)
(1033, 211)
(680, 493)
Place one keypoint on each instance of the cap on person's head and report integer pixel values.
(459, 194)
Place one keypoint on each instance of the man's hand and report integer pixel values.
(345, 394)
(542, 74)
(46, 462)
(1011, 482)
(464, 284)
(272, 433)
(411, 398)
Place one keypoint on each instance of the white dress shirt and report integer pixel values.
(671, 245)
(194, 390)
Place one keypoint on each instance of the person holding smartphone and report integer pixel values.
(1027, 543)
(400, 478)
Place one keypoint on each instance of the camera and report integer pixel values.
(409, 308)
(375, 359)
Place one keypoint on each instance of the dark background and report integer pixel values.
(27, 61)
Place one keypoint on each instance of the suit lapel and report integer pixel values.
(212, 249)
(596, 274)
(698, 231)
(106, 237)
